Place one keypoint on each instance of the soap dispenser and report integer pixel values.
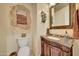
(66, 36)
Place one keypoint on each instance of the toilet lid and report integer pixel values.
(24, 51)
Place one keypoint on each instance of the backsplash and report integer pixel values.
(61, 31)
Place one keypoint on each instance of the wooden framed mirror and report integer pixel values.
(61, 15)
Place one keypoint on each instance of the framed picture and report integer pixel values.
(20, 17)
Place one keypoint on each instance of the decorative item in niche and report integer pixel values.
(20, 17)
(23, 35)
(43, 16)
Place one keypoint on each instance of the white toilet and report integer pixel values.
(24, 48)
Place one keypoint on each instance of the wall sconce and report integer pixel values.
(43, 17)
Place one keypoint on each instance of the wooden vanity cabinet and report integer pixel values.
(50, 48)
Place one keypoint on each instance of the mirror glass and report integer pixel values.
(61, 15)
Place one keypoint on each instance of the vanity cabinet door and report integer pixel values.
(46, 49)
(42, 48)
(54, 51)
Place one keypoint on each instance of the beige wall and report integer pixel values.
(8, 33)
(41, 27)
(3, 31)
(76, 42)
(15, 32)
(34, 28)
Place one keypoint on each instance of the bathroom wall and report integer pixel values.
(38, 28)
(34, 29)
(41, 27)
(15, 32)
(76, 42)
(3, 32)
(9, 33)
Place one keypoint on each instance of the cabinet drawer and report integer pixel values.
(54, 44)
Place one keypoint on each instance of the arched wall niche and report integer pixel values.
(20, 17)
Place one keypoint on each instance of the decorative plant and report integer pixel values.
(43, 16)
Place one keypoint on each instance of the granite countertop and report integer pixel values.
(62, 41)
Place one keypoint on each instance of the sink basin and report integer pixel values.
(53, 38)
